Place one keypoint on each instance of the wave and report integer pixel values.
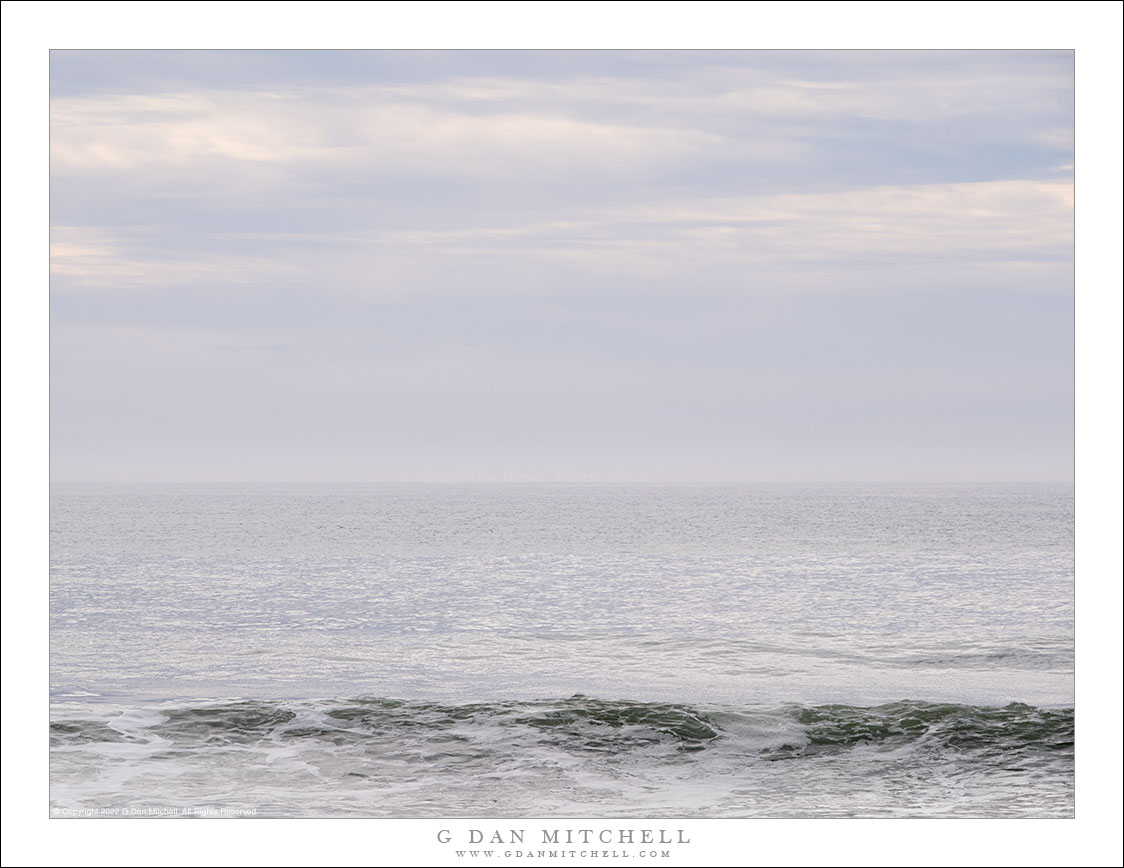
(577, 757)
(959, 728)
(582, 723)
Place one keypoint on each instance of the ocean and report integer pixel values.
(562, 650)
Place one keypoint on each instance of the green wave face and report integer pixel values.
(948, 726)
(579, 756)
(584, 723)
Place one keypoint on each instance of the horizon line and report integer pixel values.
(560, 479)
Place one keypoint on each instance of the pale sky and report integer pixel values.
(749, 265)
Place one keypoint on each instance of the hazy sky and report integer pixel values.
(680, 265)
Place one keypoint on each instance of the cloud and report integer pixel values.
(792, 168)
(1057, 138)
(346, 130)
(682, 256)
(491, 126)
(97, 258)
(870, 236)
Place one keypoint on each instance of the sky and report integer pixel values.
(661, 265)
